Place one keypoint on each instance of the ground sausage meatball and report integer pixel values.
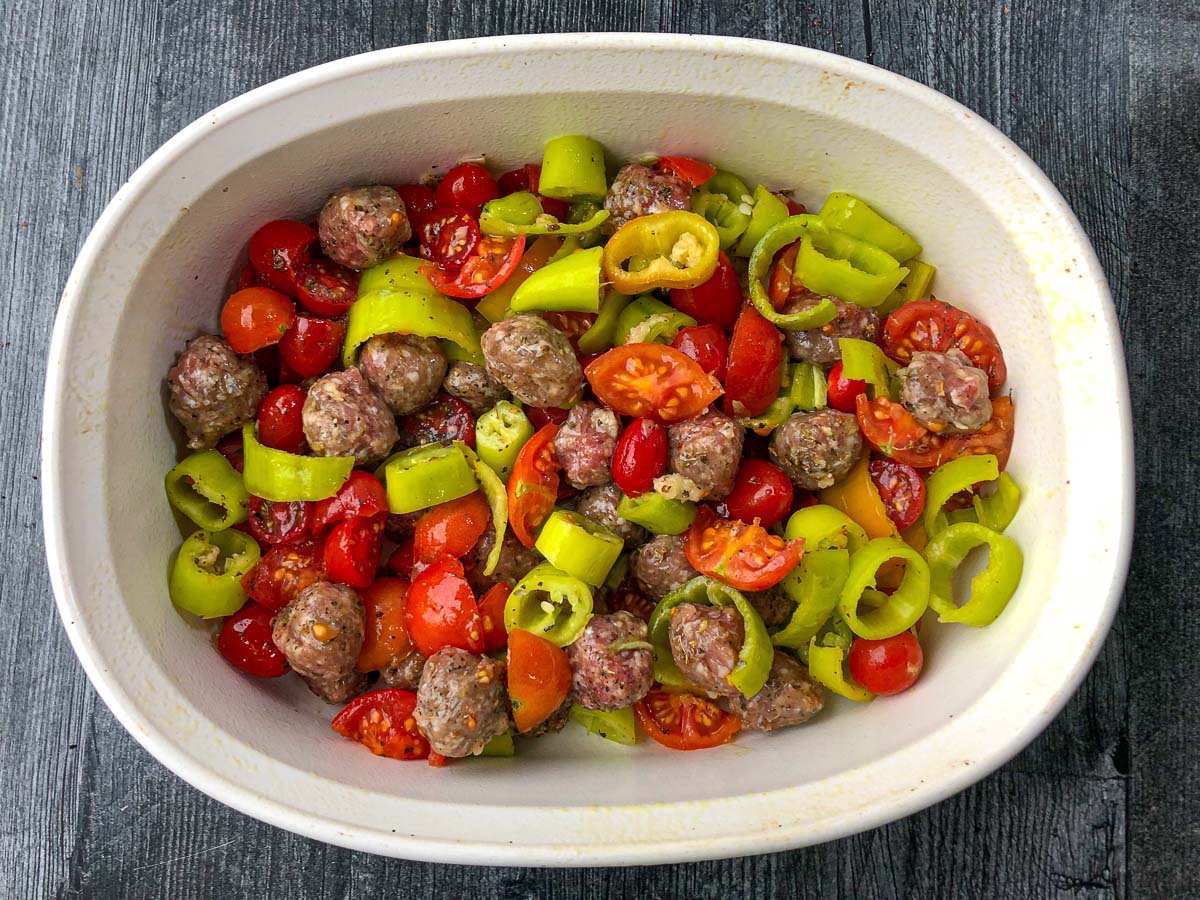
(462, 702)
(639, 191)
(945, 393)
(344, 417)
(600, 505)
(515, 561)
(473, 386)
(790, 697)
(213, 390)
(406, 370)
(817, 449)
(605, 676)
(772, 605)
(820, 345)
(585, 443)
(707, 450)
(321, 633)
(405, 673)
(534, 360)
(705, 642)
(660, 565)
(363, 226)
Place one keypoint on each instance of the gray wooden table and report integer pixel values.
(1104, 94)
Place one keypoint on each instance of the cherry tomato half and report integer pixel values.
(640, 457)
(245, 643)
(886, 667)
(311, 345)
(539, 678)
(385, 639)
(716, 302)
(684, 721)
(742, 555)
(761, 491)
(281, 420)
(892, 430)
(842, 390)
(649, 380)
(445, 419)
(419, 201)
(755, 365)
(382, 721)
(492, 262)
(468, 185)
(524, 178)
(402, 560)
(279, 523)
(362, 495)
(779, 290)
(491, 616)
(452, 529)
(541, 416)
(707, 345)
(630, 598)
(326, 288)
(441, 610)
(448, 235)
(533, 485)
(901, 488)
(938, 326)
(256, 317)
(353, 549)
(283, 572)
(278, 250)
(694, 171)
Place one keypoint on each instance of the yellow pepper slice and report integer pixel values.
(857, 497)
(676, 249)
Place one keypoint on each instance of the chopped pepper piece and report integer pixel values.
(501, 745)
(647, 320)
(282, 477)
(500, 434)
(824, 527)
(603, 333)
(550, 603)
(825, 665)
(836, 264)
(768, 212)
(494, 306)
(206, 577)
(616, 726)
(810, 387)
(496, 495)
(674, 249)
(914, 287)
(864, 361)
(426, 476)
(950, 478)
(408, 312)
(568, 284)
(815, 586)
(991, 589)
(656, 513)
(573, 168)
(521, 213)
(892, 614)
(209, 491)
(857, 496)
(847, 213)
(578, 546)
(725, 202)
(776, 238)
(400, 273)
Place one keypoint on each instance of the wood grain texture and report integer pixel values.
(1103, 94)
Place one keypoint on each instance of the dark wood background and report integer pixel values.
(1103, 94)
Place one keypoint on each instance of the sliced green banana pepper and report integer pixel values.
(951, 478)
(647, 320)
(834, 264)
(603, 333)
(656, 513)
(991, 589)
(496, 495)
(500, 434)
(776, 238)
(573, 168)
(209, 491)
(824, 527)
(425, 476)
(206, 577)
(281, 477)
(895, 613)
(845, 212)
(825, 665)
(864, 361)
(521, 213)
(815, 585)
(725, 201)
(616, 726)
(768, 212)
(578, 546)
(549, 603)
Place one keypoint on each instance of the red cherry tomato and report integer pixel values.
(755, 365)
(385, 639)
(468, 185)
(441, 610)
(938, 326)
(278, 250)
(283, 572)
(363, 495)
(283, 522)
(652, 380)
(352, 550)
(640, 456)
(888, 666)
(492, 262)
(794, 208)
(540, 416)
(230, 447)
(248, 277)
(761, 491)
(491, 616)
(256, 317)
(326, 288)
(779, 290)
(419, 201)
(717, 301)
(741, 555)
(695, 172)
(452, 529)
(403, 560)
(707, 345)
(245, 642)
(382, 721)
(280, 419)
(684, 721)
(533, 485)
(842, 390)
(448, 235)
(901, 488)
(523, 179)
(539, 678)
(892, 430)
(445, 419)
(311, 345)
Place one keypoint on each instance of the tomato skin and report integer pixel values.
(363, 495)
(779, 290)
(326, 288)
(255, 318)
(283, 572)
(403, 560)
(524, 178)
(278, 250)
(245, 643)
(452, 528)
(419, 201)
(445, 419)
(707, 345)
(540, 416)
(716, 302)
(279, 523)
(247, 278)
(468, 185)
(533, 485)
(794, 208)
(886, 667)
(280, 419)
(640, 457)
(843, 391)
(311, 345)
(761, 492)
(441, 610)
(492, 262)
(681, 721)
(892, 430)
(539, 678)
(352, 550)
(448, 235)
(755, 365)
(650, 380)
(938, 326)
(230, 447)
(382, 721)
(741, 555)
(901, 488)
(385, 639)
(491, 616)
(694, 171)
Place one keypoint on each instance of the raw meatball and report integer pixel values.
(639, 191)
(534, 360)
(607, 678)
(473, 386)
(585, 443)
(945, 393)
(790, 697)
(213, 390)
(515, 561)
(820, 345)
(344, 417)
(361, 227)
(817, 449)
(660, 566)
(462, 702)
(705, 642)
(773, 606)
(404, 674)
(321, 633)
(404, 369)
(600, 505)
(707, 450)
